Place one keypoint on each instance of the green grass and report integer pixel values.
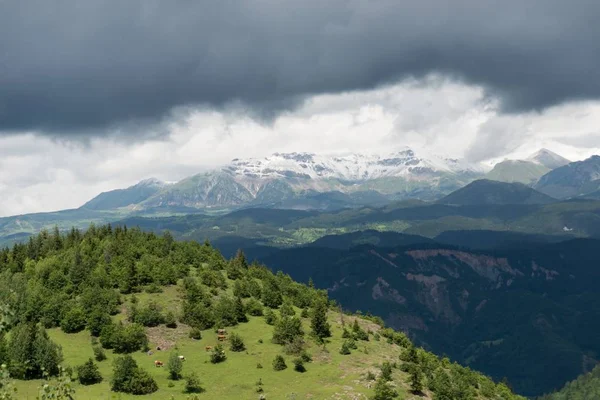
(329, 376)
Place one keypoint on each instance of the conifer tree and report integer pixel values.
(318, 322)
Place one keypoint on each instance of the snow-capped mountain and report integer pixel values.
(353, 167)
(548, 159)
(303, 180)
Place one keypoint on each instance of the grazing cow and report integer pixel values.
(182, 358)
(208, 348)
(221, 331)
(158, 363)
(221, 338)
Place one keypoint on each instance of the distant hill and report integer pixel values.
(526, 172)
(125, 197)
(572, 180)
(489, 192)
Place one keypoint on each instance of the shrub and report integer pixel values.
(287, 310)
(299, 365)
(236, 343)
(296, 346)
(359, 333)
(218, 355)
(192, 384)
(383, 391)
(74, 321)
(259, 366)
(254, 308)
(306, 357)
(175, 366)
(279, 363)
(149, 315)
(196, 334)
(99, 354)
(170, 320)
(304, 313)
(287, 329)
(129, 378)
(345, 349)
(270, 317)
(97, 320)
(386, 371)
(153, 288)
(88, 373)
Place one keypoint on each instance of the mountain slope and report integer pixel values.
(125, 197)
(571, 180)
(585, 387)
(489, 192)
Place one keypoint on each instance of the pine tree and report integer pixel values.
(318, 323)
(240, 312)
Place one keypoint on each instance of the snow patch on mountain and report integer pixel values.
(405, 163)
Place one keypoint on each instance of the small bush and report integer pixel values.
(345, 349)
(170, 320)
(259, 366)
(88, 373)
(74, 321)
(192, 384)
(149, 315)
(218, 355)
(305, 356)
(304, 313)
(254, 308)
(99, 354)
(153, 288)
(299, 365)
(236, 343)
(195, 334)
(270, 317)
(279, 363)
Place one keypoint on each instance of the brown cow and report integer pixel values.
(221, 331)
(158, 363)
(221, 338)
(208, 348)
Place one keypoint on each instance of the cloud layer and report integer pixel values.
(94, 66)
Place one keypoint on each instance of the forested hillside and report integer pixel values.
(586, 387)
(87, 315)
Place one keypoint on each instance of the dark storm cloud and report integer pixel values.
(73, 66)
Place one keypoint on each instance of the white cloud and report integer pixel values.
(445, 117)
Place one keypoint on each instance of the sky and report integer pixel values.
(98, 95)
